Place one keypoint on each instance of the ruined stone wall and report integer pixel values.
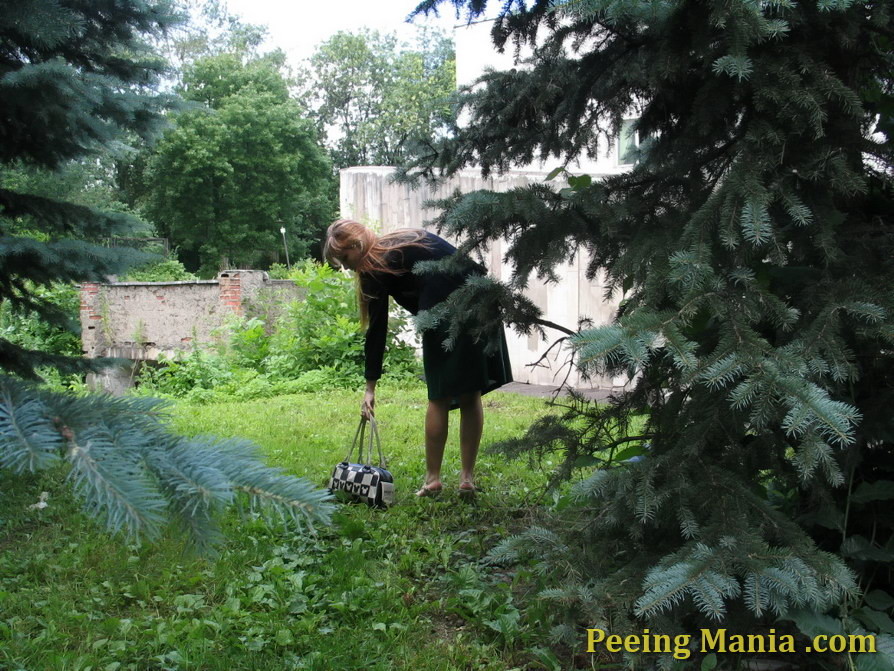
(142, 320)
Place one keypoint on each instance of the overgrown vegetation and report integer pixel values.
(310, 344)
(744, 480)
(164, 270)
(26, 329)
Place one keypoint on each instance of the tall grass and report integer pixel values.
(399, 589)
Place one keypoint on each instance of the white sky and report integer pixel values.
(297, 26)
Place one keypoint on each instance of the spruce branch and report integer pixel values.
(28, 439)
(137, 477)
(112, 486)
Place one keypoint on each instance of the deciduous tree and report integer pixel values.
(238, 166)
(372, 97)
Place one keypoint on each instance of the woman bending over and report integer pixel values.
(455, 378)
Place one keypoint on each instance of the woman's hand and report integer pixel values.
(368, 407)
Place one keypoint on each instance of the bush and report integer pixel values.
(323, 331)
(278, 271)
(168, 270)
(249, 343)
(183, 373)
(27, 329)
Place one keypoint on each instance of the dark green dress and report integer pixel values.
(466, 367)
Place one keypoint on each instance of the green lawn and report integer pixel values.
(402, 589)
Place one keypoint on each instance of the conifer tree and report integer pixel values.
(76, 76)
(753, 248)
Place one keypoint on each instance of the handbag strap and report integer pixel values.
(359, 436)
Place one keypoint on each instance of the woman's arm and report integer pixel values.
(374, 346)
(377, 330)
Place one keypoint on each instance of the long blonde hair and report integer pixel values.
(345, 234)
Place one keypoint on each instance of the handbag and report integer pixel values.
(363, 482)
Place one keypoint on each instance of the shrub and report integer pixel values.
(323, 330)
(249, 343)
(278, 271)
(184, 372)
(29, 330)
(167, 270)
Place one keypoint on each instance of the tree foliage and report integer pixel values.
(752, 246)
(65, 92)
(208, 29)
(372, 97)
(75, 78)
(238, 166)
(89, 182)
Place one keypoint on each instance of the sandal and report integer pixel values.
(429, 490)
(467, 490)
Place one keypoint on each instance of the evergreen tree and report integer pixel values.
(74, 76)
(752, 245)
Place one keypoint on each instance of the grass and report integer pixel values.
(402, 589)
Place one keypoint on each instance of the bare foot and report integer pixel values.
(430, 489)
(467, 490)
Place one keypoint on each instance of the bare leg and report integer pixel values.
(436, 424)
(471, 424)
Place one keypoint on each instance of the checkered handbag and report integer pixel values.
(373, 485)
